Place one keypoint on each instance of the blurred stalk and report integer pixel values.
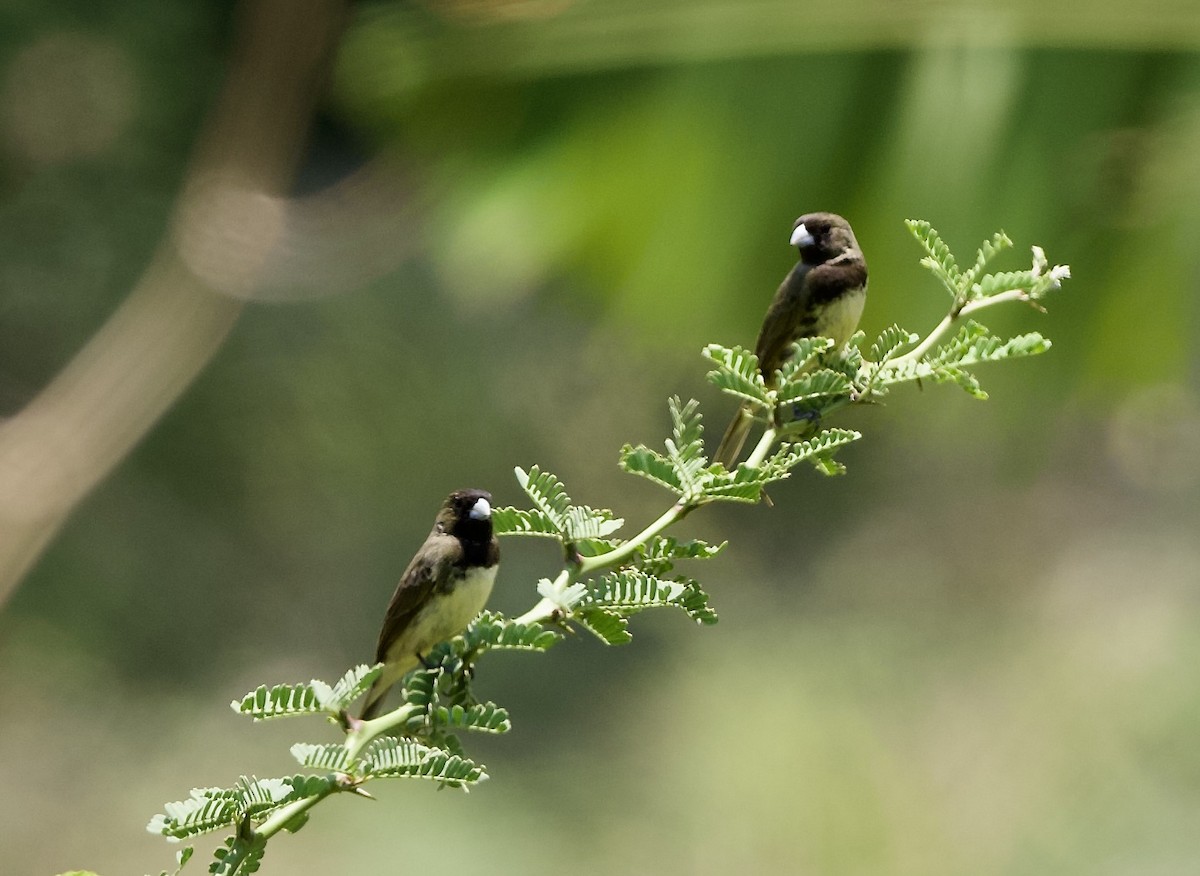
(509, 39)
(227, 218)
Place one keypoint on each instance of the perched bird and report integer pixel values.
(445, 585)
(822, 296)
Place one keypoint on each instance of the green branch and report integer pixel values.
(606, 580)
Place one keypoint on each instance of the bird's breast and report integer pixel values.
(839, 318)
(455, 605)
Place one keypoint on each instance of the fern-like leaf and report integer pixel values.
(685, 447)
(652, 465)
(282, 701)
(607, 626)
(938, 258)
(822, 446)
(988, 250)
(389, 757)
(737, 373)
(287, 700)
(694, 602)
(658, 556)
(1005, 281)
(420, 687)
(890, 342)
(963, 378)
(206, 810)
(209, 809)
(556, 516)
(260, 796)
(686, 429)
(813, 386)
(743, 484)
(629, 591)
(802, 354)
(828, 466)
(494, 631)
(593, 524)
(547, 493)
(352, 685)
(847, 360)
(326, 756)
(518, 521)
(481, 717)
(238, 855)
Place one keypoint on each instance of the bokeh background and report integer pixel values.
(509, 230)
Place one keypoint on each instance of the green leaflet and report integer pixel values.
(685, 447)
(547, 493)
(288, 700)
(482, 717)
(890, 342)
(988, 250)
(629, 591)
(812, 386)
(237, 855)
(519, 521)
(804, 351)
(575, 523)
(973, 284)
(973, 345)
(938, 258)
(682, 469)
(659, 555)
(389, 757)
(327, 756)
(651, 464)
(737, 373)
(209, 809)
(607, 626)
(492, 630)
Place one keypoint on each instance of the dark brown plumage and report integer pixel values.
(445, 585)
(822, 296)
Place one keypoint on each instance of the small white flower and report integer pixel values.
(564, 597)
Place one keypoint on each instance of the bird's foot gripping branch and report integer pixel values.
(606, 579)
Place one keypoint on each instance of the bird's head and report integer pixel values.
(467, 514)
(821, 237)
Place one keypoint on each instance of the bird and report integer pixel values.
(445, 585)
(822, 296)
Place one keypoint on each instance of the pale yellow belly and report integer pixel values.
(446, 616)
(840, 318)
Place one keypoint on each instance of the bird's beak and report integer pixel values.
(481, 510)
(801, 236)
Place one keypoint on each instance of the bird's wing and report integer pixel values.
(430, 566)
(782, 323)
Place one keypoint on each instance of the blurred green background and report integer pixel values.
(978, 652)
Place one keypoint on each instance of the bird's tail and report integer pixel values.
(378, 693)
(730, 447)
(375, 698)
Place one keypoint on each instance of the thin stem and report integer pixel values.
(620, 554)
(283, 816)
(355, 742)
(762, 448)
(952, 318)
(547, 608)
(366, 731)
